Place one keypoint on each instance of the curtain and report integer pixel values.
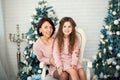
(4, 70)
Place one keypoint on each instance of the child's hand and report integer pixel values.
(52, 61)
(74, 66)
(60, 70)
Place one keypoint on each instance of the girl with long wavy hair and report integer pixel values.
(66, 50)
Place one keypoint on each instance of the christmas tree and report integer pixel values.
(107, 62)
(29, 68)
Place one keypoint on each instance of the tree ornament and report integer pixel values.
(117, 67)
(116, 22)
(110, 48)
(100, 54)
(115, 5)
(36, 37)
(102, 36)
(108, 61)
(30, 42)
(25, 53)
(96, 65)
(25, 62)
(36, 77)
(29, 78)
(111, 5)
(110, 33)
(107, 33)
(118, 33)
(114, 63)
(103, 42)
(28, 37)
(101, 75)
(25, 69)
(116, 49)
(102, 30)
(39, 71)
(111, 41)
(104, 50)
(106, 27)
(118, 55)
(27, 57)
(106, 40)
(109, 27)
(35, 32)
(114, 13)
(119, 19)
(33, 56)
(105, 77)
(103, 64)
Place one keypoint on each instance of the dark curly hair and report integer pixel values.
(44, 19)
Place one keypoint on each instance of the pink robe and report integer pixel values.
(64, 59)
(44, 53)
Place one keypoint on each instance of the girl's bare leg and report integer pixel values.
(73, 73)
(82, 74)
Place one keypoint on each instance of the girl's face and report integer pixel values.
(46, 29)
(67, 29)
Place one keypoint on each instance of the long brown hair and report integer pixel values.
(72, 36)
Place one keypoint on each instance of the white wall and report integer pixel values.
(88, 14)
